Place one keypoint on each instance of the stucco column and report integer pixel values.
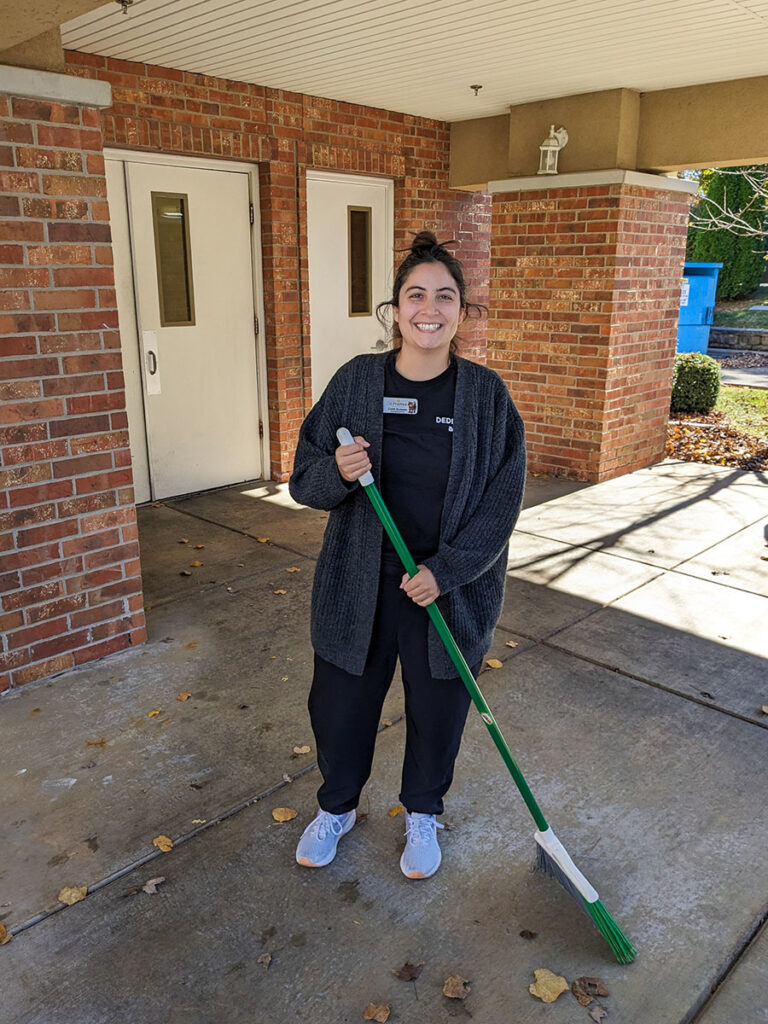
(584, 297)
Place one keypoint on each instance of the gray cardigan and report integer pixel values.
(482, 503)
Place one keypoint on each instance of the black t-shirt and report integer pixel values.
(416, 457)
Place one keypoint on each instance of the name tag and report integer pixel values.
(401, 406)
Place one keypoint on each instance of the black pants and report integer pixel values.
(345, 711)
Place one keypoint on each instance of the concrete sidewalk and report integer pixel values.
(632, 702)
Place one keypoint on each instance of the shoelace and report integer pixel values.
(419, 828)
(326, 822)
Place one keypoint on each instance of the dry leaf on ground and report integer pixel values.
(284, 813)
(262, 540)
(265, 960)
(293, 568)
(183, 696)
(96, 743)
(153, 714)
(597, 1011)
(527, 934)
(378, 1013)
(199, 547)
(456, 987)
(764, 708)
(386, 722)
(394, 811)
(302, 750)
(547, 986)
(163, 843)
(279, 591)
(151, 885)
(183, 540)
(73, 894)
(494, 663)
(409, 972)
(185, 572)
(585, 989)
(511, 643)
(5, 935)
(195, 564)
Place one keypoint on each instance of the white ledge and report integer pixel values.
(615, 176)
(48, 85)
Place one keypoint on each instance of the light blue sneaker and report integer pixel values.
(421, 856)
(317, 846)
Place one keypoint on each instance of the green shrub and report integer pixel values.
(742, 256)
(695, 383)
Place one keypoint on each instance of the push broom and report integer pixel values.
(551, 856)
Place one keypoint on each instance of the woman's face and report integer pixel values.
(429, 311)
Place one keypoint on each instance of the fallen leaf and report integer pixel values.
(386, 722)
(199, 547)
(764, 709)
(265, 960)
(242, 707)
(764, 558)
(151, 885)
(153, 714)
(73, 894)
(96, 743)
(512, 643)
(548, 986)
(284, 813)
(287, 777)
(377, 1013)
(301, 750)
(35, 711)
(409, 972)
(183, 696)
(199, 821)
(262, 540)
(163, 843)
(526, 934)
(456, 987)
(185, 572)
(195, 564)
(191, 645)
(494, 663)
(597, 1011)
(5, 935)
(279, 591)
(183, 540)
(394, 811)
(293, 568)
(585, 989)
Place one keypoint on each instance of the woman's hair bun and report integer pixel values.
(424, 240)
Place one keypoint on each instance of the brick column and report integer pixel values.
(70, 585)
(584, 295)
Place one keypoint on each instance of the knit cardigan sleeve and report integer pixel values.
(482, 540)
(316, 480)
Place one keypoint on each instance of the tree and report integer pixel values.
(729, 226)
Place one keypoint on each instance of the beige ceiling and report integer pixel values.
(422, 56)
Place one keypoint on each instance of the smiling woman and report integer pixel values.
(446, 446)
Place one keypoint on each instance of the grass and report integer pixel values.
(746, 409)
(738, 313)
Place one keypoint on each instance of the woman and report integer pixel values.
(446, 447)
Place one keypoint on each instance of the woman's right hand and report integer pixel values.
(352, 459)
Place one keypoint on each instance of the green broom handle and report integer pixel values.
(446, 636)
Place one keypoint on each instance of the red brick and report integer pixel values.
(68, 231)
(118, 643)
(49, 159)
(25, 496)
(61, 606)
(63, 298)
(49, 532)
(19, 181)
(34, 595)
(42, 669)
(40, 631)
(15, 369)
(58, 254)
(23, 277)
(66, 185)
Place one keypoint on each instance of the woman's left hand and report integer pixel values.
(421, 588)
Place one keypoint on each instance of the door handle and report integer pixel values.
(151, 363)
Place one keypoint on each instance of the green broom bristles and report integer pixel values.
(622, 948)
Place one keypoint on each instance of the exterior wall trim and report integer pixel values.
(539, 182)
(48, 85)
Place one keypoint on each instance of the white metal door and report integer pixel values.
(342, 317)
(198, 367)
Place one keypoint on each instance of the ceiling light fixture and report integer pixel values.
(477, 88)
(125, 4)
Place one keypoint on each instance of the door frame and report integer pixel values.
(202, 163)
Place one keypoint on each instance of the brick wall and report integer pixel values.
(70, 589)
(585, 292)
(170, 111)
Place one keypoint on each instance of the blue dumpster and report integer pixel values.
(697, 306)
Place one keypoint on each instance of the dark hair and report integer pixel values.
(425, 248)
